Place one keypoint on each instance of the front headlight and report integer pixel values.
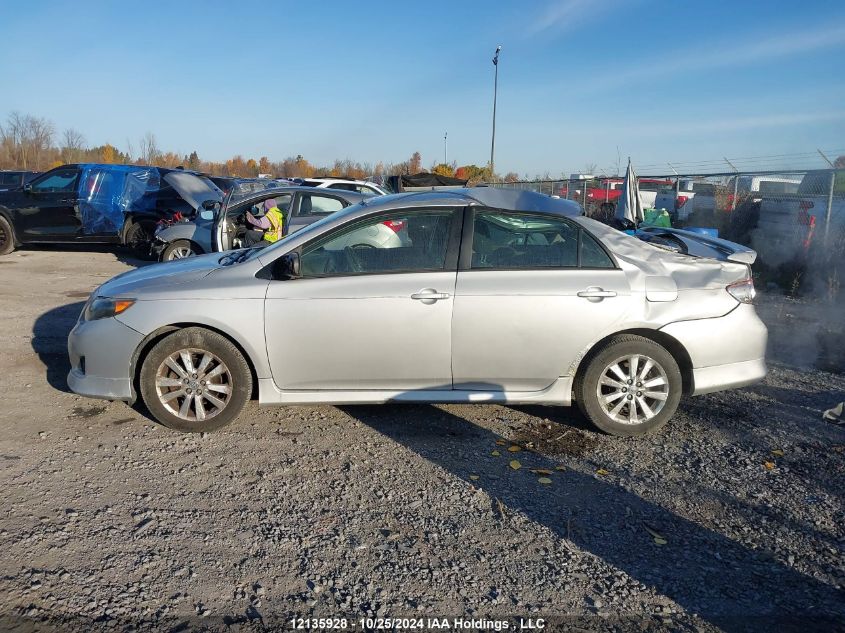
(103, 308)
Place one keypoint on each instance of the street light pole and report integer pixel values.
(445, 134)
(495, 93)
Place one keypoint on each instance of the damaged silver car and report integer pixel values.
(480, 295)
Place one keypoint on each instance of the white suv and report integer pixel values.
(361, 186)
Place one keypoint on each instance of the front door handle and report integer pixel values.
(595, 294)
(429, 295)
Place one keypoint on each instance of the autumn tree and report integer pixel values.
(106, 154)
(415, 163)
(443, 169)
(473, 173)
(511, 176)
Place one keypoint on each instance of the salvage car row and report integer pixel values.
(124, 204)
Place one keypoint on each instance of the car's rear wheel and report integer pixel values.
(7, 237)
(179, 250)
(631, 386)
(195, 380)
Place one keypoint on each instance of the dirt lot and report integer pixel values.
(731, 518)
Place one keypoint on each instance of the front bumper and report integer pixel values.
(157, 247)
(726, 352)
(107, 347)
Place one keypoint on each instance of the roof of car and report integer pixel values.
(349, 196)
(505, 199)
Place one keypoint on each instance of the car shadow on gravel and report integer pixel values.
(708, 574)
(49, 341)
(121, 253)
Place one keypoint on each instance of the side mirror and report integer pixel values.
(27, 188)
(287, 266)
(210, 205)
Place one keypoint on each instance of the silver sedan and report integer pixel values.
(479, 295)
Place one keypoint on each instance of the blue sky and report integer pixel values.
(580, 81)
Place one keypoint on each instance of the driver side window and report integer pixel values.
(396, 242)
(61, 180)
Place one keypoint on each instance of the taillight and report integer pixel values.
(396, 225)
(680, 201)
(743, 291)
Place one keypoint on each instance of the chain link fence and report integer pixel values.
(783, 215)
(794, 219)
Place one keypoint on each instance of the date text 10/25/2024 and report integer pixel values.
(418, 624)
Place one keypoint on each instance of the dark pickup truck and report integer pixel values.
(15, 179)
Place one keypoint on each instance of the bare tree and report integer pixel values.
(73, 146)
(42, 132)
(28, 139)
(150, 152)
(590, 168)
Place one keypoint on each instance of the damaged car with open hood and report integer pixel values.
(99, 203)
(485, 295)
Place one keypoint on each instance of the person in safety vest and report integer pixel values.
(270, 227)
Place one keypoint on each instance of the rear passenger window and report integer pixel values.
(515, 240)
(311, 204)
(593, 255)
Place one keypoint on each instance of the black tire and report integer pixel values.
(138, 238)
(197, 342)
(7, 236)
(170, 253)
(587, 386)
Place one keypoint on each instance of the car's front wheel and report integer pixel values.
(195, 380)
(139, 237)
(179, 250)
(631, 386)
(7, 237)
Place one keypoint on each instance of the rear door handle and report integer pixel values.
(594, 293)
(429, 295)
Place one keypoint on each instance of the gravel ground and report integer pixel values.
(731, 518)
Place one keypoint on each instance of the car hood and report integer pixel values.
(192, 188)
(168, 276)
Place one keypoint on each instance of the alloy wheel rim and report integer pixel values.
(633, 389)
(3, 237)
(181, 252)
(193, 384)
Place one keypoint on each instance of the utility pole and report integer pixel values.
(829, 196)
(495, 94)
(445, 134)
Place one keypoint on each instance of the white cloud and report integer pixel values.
(757, 49)
(564, 14)
(729, 124)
